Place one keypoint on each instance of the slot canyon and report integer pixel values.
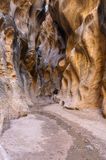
(52, 79)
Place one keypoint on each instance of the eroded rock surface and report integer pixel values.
(19, 28)
(83, 84)
(50, 51)
(52, 48)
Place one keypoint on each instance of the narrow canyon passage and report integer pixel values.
(52, 79)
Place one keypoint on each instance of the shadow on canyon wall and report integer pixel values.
(52, 48)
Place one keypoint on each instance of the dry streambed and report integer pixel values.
(43, 137)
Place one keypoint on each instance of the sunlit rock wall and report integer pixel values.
(84, 23)
(19, 29)
(52, 48)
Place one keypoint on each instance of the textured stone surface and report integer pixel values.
(52, 48)
(50, 52)
(19, 28)
(46, 137)
(83, 84)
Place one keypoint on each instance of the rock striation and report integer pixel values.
(19, 29)
(52, 48)
(83, 80)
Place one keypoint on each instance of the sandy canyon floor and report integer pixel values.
(53, 133)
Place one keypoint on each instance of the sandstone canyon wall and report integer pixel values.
(52, 48)
(83, 81)
(19, 28)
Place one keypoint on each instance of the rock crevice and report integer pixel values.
(52, 48)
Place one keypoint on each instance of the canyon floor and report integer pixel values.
(51, 132)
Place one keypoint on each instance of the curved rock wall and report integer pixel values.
(19, 29)
(52, 47)
(50, 51)
(83, 84)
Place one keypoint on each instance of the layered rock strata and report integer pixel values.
(83, 82)
(49, 48)
(19, 29)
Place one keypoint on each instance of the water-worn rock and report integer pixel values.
(50, 51)
(52, 47)
(84, 24)
(19, 28)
